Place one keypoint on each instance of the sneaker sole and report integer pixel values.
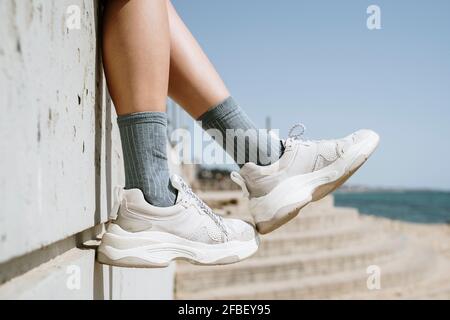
(314, 186)
(158, 249)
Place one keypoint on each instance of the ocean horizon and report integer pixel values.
(418, 206)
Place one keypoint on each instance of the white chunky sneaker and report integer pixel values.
(307, 171)
(146, 236)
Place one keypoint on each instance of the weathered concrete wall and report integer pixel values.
(75, 275)
(59, 146)
(51, 101)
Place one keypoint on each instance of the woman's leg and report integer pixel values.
(195, 84)
(136, 55)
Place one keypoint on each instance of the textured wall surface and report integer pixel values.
(75, 275)
(60, 154)
(51, 108)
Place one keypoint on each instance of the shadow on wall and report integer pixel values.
(102, 119)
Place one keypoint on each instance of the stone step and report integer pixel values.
(306, 220)
(233, 204)
(321, 219)
(191, 278)
(287, 243)
(439, 293)
(218, 199)
(411, 266)
(436, 285)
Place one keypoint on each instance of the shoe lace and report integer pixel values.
(218, 220)
(299, 135)
(292, 136)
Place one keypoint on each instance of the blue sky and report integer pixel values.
(316, 62)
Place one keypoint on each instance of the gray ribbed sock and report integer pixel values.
(255, 145)
(144, 143)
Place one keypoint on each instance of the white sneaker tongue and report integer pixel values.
(177, 182)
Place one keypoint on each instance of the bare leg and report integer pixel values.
(193, 83)
(197, 87)
(136, 54)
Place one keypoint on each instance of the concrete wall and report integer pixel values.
(60, 157)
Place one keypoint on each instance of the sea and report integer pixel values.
(411, 206)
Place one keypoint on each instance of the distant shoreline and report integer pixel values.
(418, 206)
(364, 189)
